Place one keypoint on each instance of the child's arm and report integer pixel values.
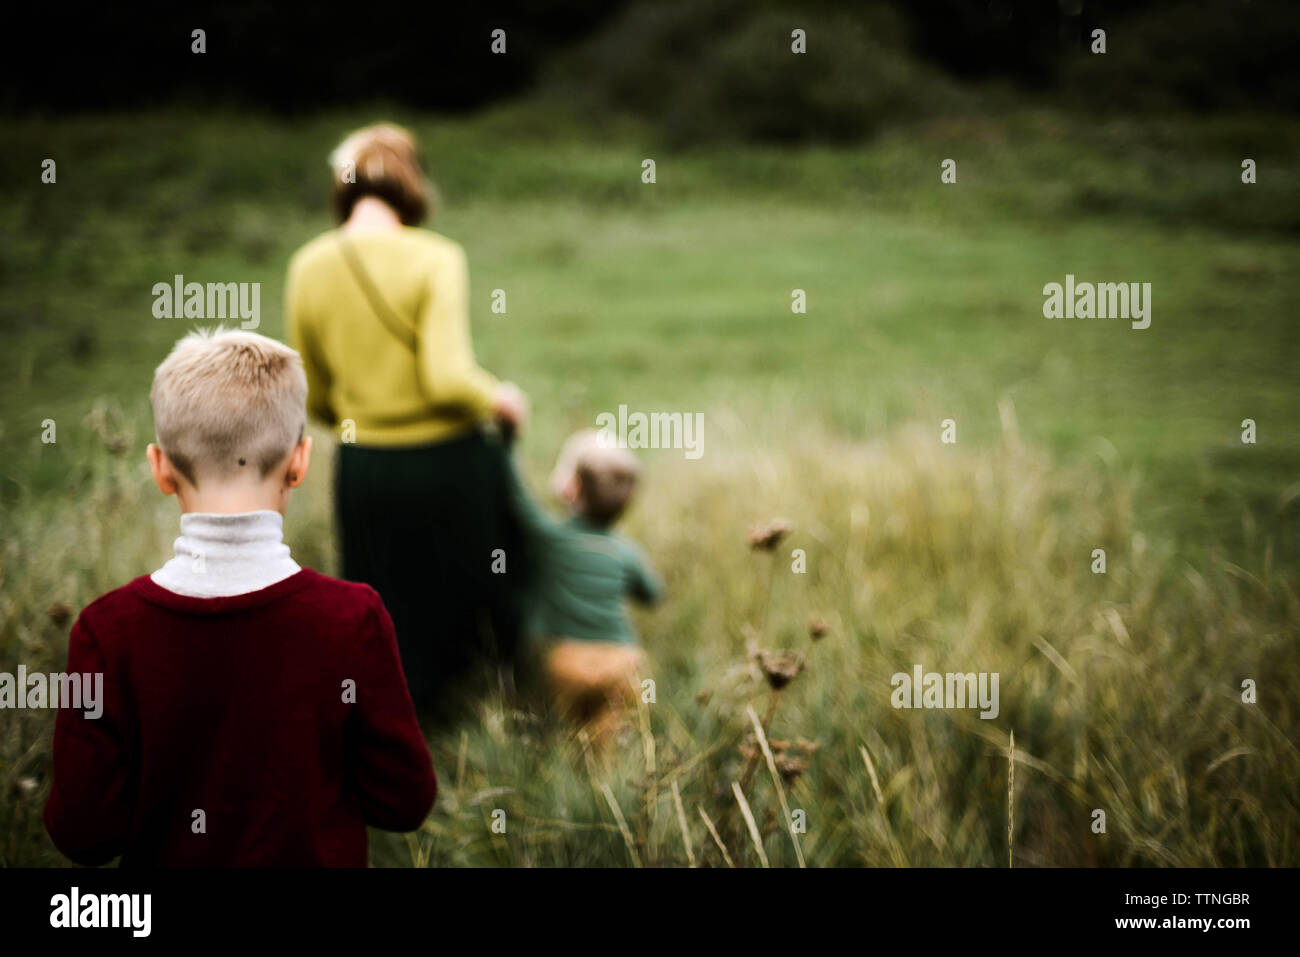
(534, 519)
(643, 584)
(88, 814)
(392, 769)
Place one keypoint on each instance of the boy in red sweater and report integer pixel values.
(254, 713)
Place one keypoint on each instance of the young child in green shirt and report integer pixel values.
(582, 572)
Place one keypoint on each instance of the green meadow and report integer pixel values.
(924, 303)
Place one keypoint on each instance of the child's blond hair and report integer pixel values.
(606, 475)
(228, 400)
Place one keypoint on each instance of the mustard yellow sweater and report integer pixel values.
(360, 372)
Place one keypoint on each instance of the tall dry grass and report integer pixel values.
(1123, 690)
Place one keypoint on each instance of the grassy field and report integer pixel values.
(1123, 690)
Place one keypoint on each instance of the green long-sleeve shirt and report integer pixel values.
(581, 575)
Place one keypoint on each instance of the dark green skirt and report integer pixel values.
(421, 525)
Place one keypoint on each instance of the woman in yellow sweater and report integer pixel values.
(379, 310)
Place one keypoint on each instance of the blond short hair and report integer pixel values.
(381, 161)
(606, 474)
(227, 400)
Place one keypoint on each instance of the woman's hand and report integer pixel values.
(510, 406)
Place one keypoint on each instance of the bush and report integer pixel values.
(1192, 55)
(723, 70)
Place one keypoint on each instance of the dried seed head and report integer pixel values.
(792, 758)
(779, 668)
(790, 766)
(766, 536)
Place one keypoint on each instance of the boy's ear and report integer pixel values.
(299, 462)
(164, 473)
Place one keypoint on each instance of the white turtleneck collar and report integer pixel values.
(222, 555)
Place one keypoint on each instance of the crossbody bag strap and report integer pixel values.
(400, 330)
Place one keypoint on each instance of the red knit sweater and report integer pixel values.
(282, 715)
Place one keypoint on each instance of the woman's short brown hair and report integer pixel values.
(381, 161)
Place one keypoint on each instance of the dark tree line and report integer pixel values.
(1198, 54)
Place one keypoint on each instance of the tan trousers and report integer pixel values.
(594, 683)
